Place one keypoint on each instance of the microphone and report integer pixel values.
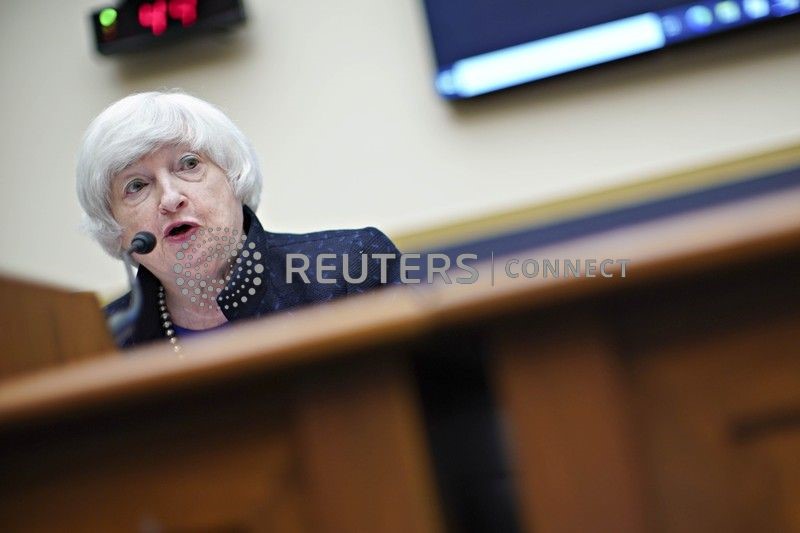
(121, 323)
(142, 243)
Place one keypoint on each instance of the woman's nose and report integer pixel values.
(171, 199)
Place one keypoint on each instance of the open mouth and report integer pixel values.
(180, 232)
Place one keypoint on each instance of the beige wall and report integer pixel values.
(337, 99)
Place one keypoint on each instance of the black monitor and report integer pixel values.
(487, 45)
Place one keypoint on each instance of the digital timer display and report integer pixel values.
(138, 25)
(155, 16)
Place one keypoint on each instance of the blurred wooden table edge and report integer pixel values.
(672, 246)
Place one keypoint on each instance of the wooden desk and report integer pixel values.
(667, 400)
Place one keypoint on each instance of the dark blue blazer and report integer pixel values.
(273, 293)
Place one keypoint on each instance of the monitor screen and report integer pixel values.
(487, 45)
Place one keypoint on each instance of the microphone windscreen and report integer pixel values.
(143, 243)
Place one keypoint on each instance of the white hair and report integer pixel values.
(141, 123)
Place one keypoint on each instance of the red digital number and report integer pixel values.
(183, 10)
(154, 16)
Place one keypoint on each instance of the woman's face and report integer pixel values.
(185, 200)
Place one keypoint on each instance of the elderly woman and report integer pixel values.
(177, 167)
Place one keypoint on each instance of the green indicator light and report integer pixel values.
(108, 17)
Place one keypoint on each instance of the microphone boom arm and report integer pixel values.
(121, 323)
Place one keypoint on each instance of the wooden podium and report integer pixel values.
(47, 326)
(668, 400)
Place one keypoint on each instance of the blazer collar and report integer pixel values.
(239, 299)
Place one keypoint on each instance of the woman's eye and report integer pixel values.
(189, 162)
(134, 186)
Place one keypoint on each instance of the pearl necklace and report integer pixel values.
(169, 331)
